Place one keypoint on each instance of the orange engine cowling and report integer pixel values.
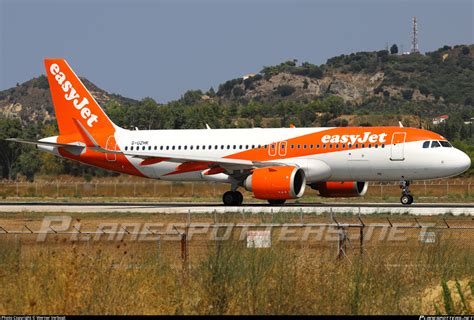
(336, 189)
(276, 183)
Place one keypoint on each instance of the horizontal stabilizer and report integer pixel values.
(73, 145)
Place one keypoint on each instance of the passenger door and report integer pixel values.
(397, 151)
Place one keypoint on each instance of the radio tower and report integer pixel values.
(414, 38)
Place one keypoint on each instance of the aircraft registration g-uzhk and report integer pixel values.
(274, 164)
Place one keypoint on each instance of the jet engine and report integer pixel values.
(335, 189)
(276, 183)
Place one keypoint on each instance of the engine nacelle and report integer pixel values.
(276, 183)
(343, 189)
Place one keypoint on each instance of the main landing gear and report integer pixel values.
(406, 197)
(232, 198)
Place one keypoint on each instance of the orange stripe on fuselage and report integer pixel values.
(315, 138)
(190, 167)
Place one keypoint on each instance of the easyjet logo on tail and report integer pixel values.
(72, 95)
(354, 138)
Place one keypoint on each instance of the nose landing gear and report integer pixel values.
(406, 198)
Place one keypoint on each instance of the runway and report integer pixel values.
(421, 209)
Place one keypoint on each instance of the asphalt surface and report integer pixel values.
(186, 207)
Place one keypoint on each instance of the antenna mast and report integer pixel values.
(414, 37)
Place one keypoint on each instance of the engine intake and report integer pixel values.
(335, 189)
(276, 183)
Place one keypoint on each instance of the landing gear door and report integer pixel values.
(111, 145)
(397, 151)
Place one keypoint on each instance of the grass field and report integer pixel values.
(111, 276)
(135, 189)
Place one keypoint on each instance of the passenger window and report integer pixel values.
(172, 148)
(149, 147)
(426, 144)
(376, 146)
(253, 146)
(317, 146)
(126, 148)
(349, 145)
(167, 147)
(383, 145)
(357, 145)
(191, 147)
(337, 146)
(156, 147)
(304, 146)
(185, 147)
(292, 146)
(435, 144)
(143, 148)
(131, 148)
(343, 146)
(247, 146)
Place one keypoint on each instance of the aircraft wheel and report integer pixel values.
(240, 198)
(277, 202)
(406, 199)
(232, 198)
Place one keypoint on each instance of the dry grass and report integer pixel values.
(301, 277)
(135, 189)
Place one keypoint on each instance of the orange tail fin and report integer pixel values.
(72, 101)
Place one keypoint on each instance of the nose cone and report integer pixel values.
(462, 162)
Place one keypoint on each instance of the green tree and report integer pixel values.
(394, 49)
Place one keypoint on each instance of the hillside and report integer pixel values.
(446, 75)
(367, 82)
(31, 101)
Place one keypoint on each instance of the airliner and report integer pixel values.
(274, 164)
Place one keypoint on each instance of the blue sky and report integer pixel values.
(161, 49)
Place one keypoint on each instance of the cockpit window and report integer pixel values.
(435, 144)
(446, 144)
(426, 144)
